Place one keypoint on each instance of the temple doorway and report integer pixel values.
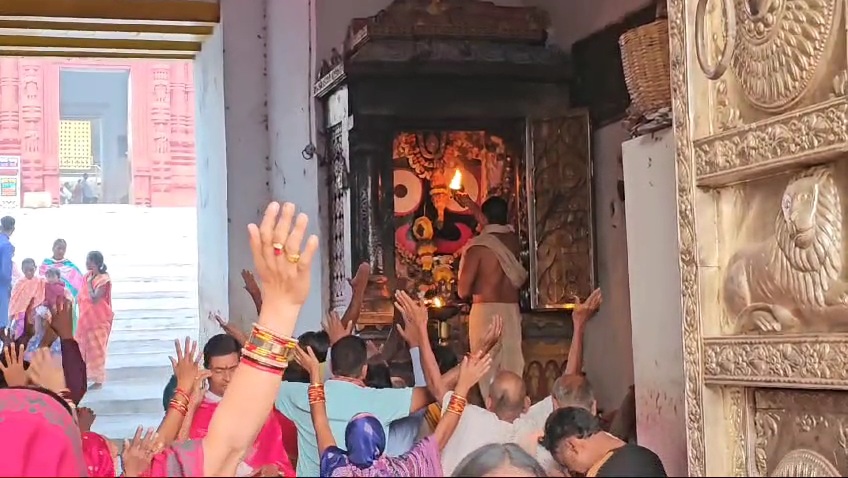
(94, 126)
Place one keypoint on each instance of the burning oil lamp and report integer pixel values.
(456, 181)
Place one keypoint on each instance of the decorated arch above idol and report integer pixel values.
(432, 170)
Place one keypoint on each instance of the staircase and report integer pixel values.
(151, 254)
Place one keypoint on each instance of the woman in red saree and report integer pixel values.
(95, 324)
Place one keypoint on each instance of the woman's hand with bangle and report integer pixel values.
(284, 269)
(471, 371)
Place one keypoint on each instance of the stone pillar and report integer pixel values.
(232, 157)
(650, 181)
(294, 169)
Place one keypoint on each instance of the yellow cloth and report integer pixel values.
(507, 356)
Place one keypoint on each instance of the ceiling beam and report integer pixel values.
(49, 36)
(95, 53)
(66, 43)
(149, 11)
(129, 28)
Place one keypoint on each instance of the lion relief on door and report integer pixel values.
(791, 281)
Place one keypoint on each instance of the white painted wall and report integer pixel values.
(651, 188)
(233, 153)
(291, 128)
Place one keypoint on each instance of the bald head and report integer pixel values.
(507, 396)
(574, 391)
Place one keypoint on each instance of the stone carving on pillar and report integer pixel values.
(160, 115)
(370, 146)
(32, 116)
(180, 165)
(9, 107)
(792, 280)
(337, 178)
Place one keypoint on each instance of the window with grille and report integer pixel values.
(75, 148)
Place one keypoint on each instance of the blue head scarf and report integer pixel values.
(169, 392)
(365, 441)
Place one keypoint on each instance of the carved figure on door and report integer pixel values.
(792, 280)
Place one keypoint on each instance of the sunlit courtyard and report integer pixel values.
(151, 254)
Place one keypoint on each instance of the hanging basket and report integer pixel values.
(645, 58)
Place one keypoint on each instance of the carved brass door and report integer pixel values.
(761, 131)
(558, 186)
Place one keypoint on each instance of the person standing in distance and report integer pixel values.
(7, 252)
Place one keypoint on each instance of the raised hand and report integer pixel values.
(471, 370)
(12, 365)
(583, 311)
(360, 280)
(413, 312)
(185, 364)
(492, 336)
(45, 372)
(409, 330)
(138, 453)
(252, 288)
(307, 359)
(283, 266)
(334, 327)
(62, 321)
(85, 418)
(230, 330)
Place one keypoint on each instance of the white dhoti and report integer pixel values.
(508, 354)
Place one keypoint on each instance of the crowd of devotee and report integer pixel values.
(327, 403)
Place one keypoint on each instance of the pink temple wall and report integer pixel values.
(162, 123)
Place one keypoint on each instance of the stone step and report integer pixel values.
(123, 426)
(127, 338)
(155, 320)
(151, 374)
(155, 303)
(163, 346)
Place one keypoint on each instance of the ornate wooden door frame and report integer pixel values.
(722, 375)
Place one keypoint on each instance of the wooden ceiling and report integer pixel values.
(172, 29)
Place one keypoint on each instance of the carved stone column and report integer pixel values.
(32, 115)
(160, 117)
(371, 215)
(10, 140)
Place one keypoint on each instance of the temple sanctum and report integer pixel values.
(685, 156)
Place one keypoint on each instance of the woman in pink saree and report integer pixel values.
(95, 325)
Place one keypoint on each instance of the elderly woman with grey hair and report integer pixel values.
(499, 459)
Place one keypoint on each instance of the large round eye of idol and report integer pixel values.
(471, 187)
(409, 191)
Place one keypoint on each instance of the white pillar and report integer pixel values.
(233, 155)
(650, 182)
(294, 173)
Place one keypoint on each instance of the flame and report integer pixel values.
(456, 182)
(437, 302)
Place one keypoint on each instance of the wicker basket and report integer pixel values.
(644, 56)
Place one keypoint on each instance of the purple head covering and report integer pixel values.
(365, 441)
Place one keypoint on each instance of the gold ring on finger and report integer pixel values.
(293, 258)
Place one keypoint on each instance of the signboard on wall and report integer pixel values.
(10, 182)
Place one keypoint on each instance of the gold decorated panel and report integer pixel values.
(814, 133)
(800, 433)
(779, 254)
(559, 199)
(788, 361)
(757, 59)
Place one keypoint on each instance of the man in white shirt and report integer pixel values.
(508, 416)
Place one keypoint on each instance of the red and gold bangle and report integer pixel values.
(266, 334)
(316, 393)
(264, 357)
(271, 356)
(457, 404)
(179, 394)
(180, 407)
(261, 364)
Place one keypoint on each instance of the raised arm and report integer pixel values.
(583, 311)
(317, 400)
(189, 378)
(471, 370)
(357, 284)
(285, 275)
(73, 364)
